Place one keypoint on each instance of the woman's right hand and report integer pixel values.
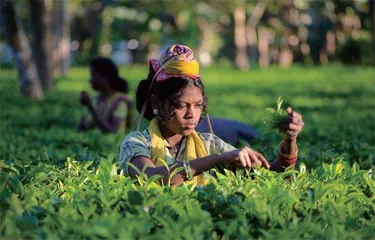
(84, 98)
(247, 158)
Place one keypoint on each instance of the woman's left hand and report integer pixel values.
(85, 99)
(292, 125)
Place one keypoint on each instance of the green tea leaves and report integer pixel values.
(273, 117)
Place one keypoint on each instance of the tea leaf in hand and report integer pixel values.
(275, 116)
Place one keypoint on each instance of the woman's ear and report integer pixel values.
(153, 102)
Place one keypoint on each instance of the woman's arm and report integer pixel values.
(197, 167)
(101, 123)
(244, 157)
(288, 149)
(83, 125)
(288, 155)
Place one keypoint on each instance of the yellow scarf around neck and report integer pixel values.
(194, 149)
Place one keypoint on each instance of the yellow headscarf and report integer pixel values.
(194, 149)
(177, 60)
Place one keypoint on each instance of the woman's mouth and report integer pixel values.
(190, 125)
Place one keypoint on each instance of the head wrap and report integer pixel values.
(176, 61)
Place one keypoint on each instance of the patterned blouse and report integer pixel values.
(138, 144)
(116, 106)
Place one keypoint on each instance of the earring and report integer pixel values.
(155, 111)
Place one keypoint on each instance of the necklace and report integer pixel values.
(176, 148)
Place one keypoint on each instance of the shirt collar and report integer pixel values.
(182, 147)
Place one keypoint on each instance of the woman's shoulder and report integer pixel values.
(136, 143)
(137, 136)
(215, 144)
(209, 137)
(121, 96)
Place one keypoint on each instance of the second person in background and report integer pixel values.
(111, 109)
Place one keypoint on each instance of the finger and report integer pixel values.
(292, 133)
(294, 120)
(289, 133)
(254, 159)
(301, 123)
(295, 127)
(248, 161)
(246, 151)
(290, 119)
(242, 159)
(263, 160)
(290, 126)
(297, 115)
(289, 110)
(238, 162)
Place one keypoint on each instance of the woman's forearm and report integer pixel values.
(197, 167)
(288, 155)
(289, 146)
(103, 125)
(83, 125)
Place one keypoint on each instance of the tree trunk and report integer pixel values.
(95, 26)
(241, 60)
(41, 22)
(206, 41)
(105, 39)
(372, 15)
(61, 50)
(17, 40)
(252, 24)
(263, 47)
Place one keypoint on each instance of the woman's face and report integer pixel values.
(96, 80)
(187, 112)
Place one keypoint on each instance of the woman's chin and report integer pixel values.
(187, 132)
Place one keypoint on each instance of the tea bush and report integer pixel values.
(60, 184)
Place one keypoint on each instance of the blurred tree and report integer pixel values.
(371, 4)
(232, 17)
(19, 44)
(252, 24)
(49, 50)
(42, 24)
(90, 28)
(245, 41)
(61, 48)
(263, 31)
(242, 59)
(95, 25)
(154, 24)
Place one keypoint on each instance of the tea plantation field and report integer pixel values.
(56, 183)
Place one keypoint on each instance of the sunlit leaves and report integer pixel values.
(58, 184)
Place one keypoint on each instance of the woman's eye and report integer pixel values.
(180, 106)
(199, 106)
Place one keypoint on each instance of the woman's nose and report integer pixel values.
(191, 112)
